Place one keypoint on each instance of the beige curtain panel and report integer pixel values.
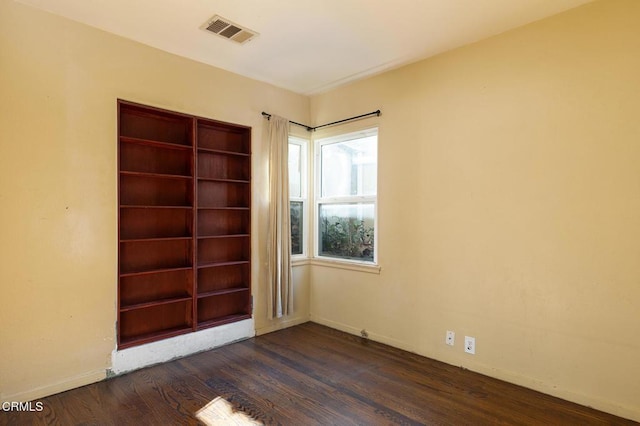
(279, 236)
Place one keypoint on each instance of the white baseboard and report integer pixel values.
(281, 325)
(627, 412)
(371, 335)
(57, 387)
(607, 406)
(145, 355)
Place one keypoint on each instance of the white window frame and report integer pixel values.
(319, 200)
(304, 185)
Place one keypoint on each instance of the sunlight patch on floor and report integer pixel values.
(220, 412)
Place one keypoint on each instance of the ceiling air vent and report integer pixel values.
(225, 28)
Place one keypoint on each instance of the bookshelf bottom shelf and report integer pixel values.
(222, 320)
(135, 340)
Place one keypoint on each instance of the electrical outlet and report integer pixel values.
(470, 345)
(451, 338)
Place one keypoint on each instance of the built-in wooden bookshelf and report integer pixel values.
(184, 223)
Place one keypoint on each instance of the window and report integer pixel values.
(298, 193)
(346, 196)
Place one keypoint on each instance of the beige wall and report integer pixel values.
(59, 82)
(509, 207)
(508, 200)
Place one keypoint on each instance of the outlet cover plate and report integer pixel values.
(470, 345)
(450, 339)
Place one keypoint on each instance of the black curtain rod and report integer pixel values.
(309, 128)
(377, 113)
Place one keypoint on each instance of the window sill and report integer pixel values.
(299, 261)
(360, 267)
(351, 266)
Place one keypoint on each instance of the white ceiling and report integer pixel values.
(308, 46)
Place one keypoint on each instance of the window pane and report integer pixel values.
(349, 168)
(295, 170)
(346, 231)
(296, 226)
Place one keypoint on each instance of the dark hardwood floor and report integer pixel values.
(306, 375)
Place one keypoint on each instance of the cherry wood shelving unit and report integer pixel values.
(184, 194)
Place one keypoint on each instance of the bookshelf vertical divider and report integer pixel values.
(194, 251)
(184, 237)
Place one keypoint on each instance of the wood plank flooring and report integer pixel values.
(306, 375)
